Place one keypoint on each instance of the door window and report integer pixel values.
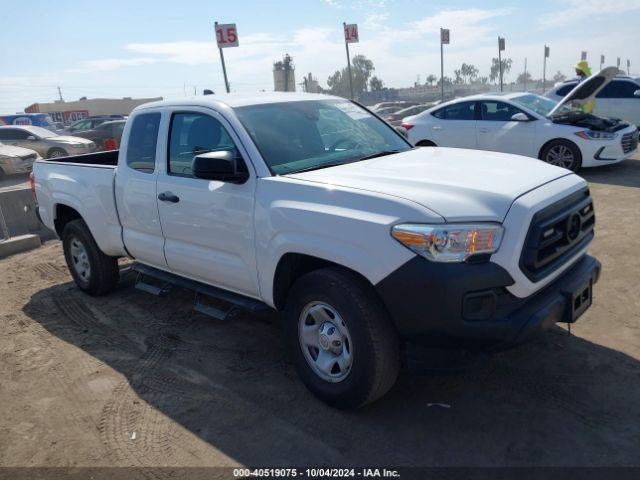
(192, 134)
(618, 89)
(143, 138)
(13, 134)
(82, 125)
(497, 111)
(457, 111)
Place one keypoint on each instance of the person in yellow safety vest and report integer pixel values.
(583, 71)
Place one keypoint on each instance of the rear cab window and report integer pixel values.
(143, 140)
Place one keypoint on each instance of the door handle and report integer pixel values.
(484, 130)
(168, 197)
(436, 127)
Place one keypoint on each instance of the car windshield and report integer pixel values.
(306, 135)
(42, 132)
(541, 105)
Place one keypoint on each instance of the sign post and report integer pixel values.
(444, 40)
(583, 55)
(601, 61)
(350, 36)
(226, 36)
(501, 46)
(628, 67)
(618, 63)
(544, 69)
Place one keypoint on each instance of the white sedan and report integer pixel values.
(531, 125)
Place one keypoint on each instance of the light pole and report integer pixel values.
(500, 49)
(444, 38)
(544, 69)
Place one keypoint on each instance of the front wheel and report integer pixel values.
(562, 153)
(340, 338)
(57, 153)
(93, 271)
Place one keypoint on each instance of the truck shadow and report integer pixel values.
(558, 401)
(624, 174)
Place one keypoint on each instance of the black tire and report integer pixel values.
(2, 175)
(425, 143)
(57, 153)
(104, 273)
(559, 143)
(376, 346)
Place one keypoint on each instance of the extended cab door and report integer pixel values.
(136, 195)
(208, 225)
(497, 132)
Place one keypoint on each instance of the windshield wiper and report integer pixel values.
(379, 154)
(335, 164)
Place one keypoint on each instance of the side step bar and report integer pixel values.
(201, 290)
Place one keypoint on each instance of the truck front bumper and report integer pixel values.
(467, 305)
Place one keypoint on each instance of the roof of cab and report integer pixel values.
(239, 100)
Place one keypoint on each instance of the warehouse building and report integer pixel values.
(67, 112)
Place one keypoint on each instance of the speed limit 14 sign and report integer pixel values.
(226, 35)
(351, 33)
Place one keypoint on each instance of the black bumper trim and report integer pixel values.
(426, 301)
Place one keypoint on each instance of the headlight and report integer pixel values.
(593, 135)
(7, 159)
(449, 242)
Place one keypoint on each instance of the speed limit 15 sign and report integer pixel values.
(227, 35)
(351, 33)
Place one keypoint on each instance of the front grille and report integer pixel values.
(556, 234)
(629, 141)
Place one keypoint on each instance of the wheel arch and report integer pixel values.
(426, 143)
(63, 214)
(292, 266)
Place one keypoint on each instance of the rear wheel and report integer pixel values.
(562, 153)
(340, 338)
(93, 271)
(57, 153)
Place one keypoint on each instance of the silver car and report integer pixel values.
(47, 143)
(16, 160)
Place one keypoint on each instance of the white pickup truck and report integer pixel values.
(312, 205)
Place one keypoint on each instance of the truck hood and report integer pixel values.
(457, 184)
(587, 90)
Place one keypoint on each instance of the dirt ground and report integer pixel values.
(135, 380)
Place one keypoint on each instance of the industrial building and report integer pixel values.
(67, 112)
(284, 78)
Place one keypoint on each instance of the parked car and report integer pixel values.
(397, 103)
(619, 99)
(90, 123)
(47, 143)
(309, 205)
(16, 160)
(35, 119)
(385, 111)
(395, 119)
(531, 125)
(106, 136)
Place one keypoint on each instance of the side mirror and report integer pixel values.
(519, 117)
(636, 93)
(403, 131)
(221, 166)
(31, 137)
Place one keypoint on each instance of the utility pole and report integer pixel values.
(525, 74)
(444, 38)
(544, 69)
(60, 94)
(628, 67)
(601, 61)
(500, 49)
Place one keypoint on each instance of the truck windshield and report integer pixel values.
(310, 134)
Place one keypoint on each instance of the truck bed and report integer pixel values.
(109, 158)
(84, 183)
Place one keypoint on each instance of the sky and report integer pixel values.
(146, 48)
